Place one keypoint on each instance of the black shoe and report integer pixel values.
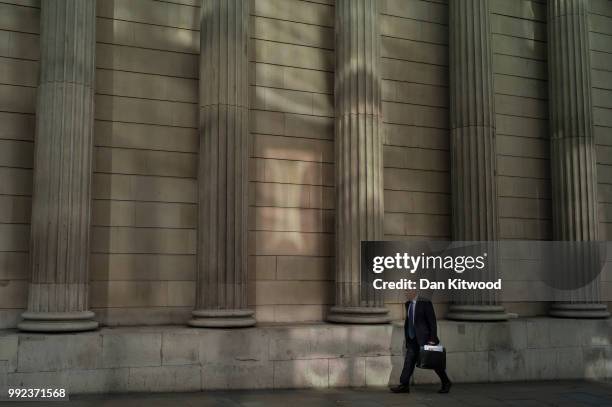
(445, 387)
(402, 388)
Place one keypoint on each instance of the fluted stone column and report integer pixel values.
(221, 294)
(472, 120)
(61, 201)
(573, 161)
(358, 165)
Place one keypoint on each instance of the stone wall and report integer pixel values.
(601, 81)
(146, 141)
(415, 98)
(144, 216)
(299, 356)
(292, 177)
(18, 80)
(521, 92)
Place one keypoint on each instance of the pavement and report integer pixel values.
(532, 394)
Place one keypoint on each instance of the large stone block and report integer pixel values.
(284, 195)
(608, 362)
(468, 367)
(308, 80)
(164, 378)
(142, 266)
(431, 12)
(146, 111)
(263, 313)
(180, 348)
(408, 180)
(321, 197)
(506, 365)
(45, 380)
(599, 333)
(413, 29)
(299, 313)
(132, 187)
(291, 219)
(309, 126)
(312, 13)
(305, 268)
(50, 353)
(281, 100)
(16, 181)
(131, 349)
(147, 61)
(143, 240)
(8, 351)
(565, 334)
(290, 32)
(262, 267)
(383, 370)
(96, 381)
(143, 214)
(227, 346)
(181, 293)
(268, 243)
(143, 316)
(3, 378)
(17, 99)
(132, 84)
(145, 162)
(396, 311)
(347, 372)
(457, 336)
(14, 237)
(370, 340)
(505, 335)
(540, 364)
(304, 373)
(329, 341)
(264, 122)
(238, 375)
(293, 292)
(13, 265)
(397, 339)
(569, 363)
(595, 364)
(538, 333)
(308, 342)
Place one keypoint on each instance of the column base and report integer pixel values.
(580, 310)
(477, 313)
(226, 318)
(77, 321)
(359, 315)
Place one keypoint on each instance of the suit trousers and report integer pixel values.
(412, 355)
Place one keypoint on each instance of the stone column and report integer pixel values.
(61, 201)
(358, 165)
(472, 122)
(221, 294)
(573, 160)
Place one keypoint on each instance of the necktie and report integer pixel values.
(411, 330)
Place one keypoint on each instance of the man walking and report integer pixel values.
(420, 328)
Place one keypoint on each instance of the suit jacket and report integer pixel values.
(425, 325)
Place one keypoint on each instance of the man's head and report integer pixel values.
(411, 295)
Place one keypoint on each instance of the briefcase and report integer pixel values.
(432, 357)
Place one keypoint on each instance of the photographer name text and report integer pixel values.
(425, 284)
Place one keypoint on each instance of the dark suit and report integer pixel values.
(425, 331)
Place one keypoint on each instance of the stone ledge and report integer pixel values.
(175, 358)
